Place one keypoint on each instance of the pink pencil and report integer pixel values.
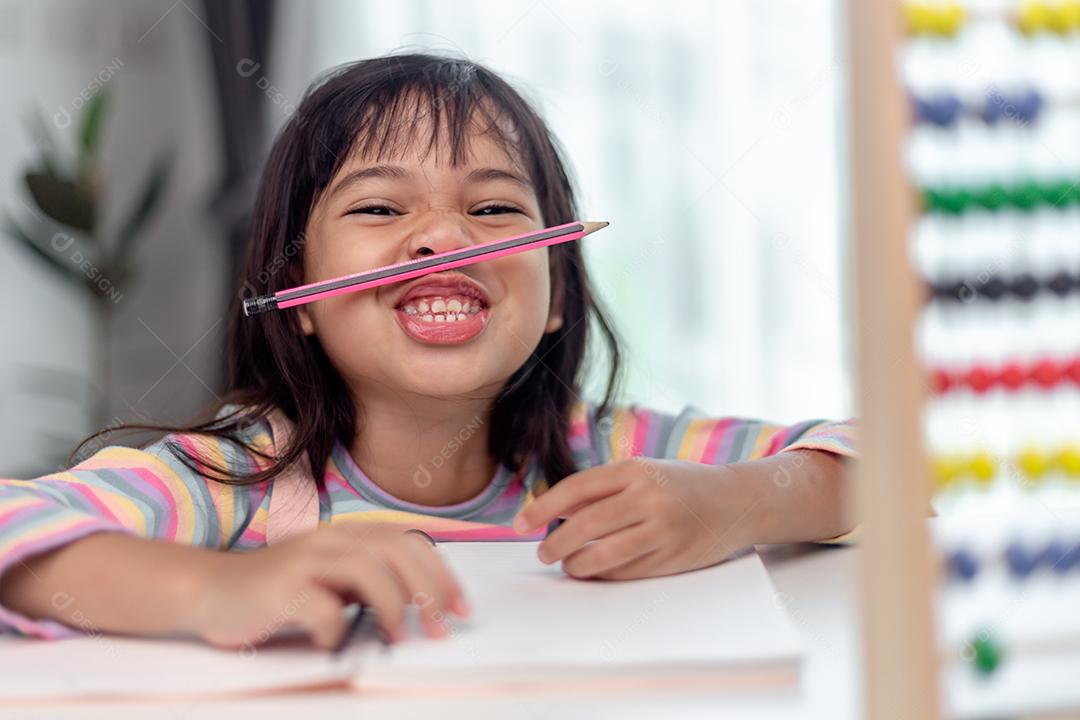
(421, 266)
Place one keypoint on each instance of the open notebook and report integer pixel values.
(531, 627)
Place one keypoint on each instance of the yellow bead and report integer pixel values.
(1033, 17)
(949, 17)
(983, 467)
(1069, 460)
(1066, 17)
(946, 469)
(1033, 463)
(920, 17)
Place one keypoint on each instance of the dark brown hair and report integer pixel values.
(374, 107)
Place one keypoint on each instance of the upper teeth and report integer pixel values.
(443, 309)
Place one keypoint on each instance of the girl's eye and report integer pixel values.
(496, 210)
(378, 210)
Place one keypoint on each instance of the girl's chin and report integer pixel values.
(447, 332)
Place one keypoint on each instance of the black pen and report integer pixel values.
(354, 628)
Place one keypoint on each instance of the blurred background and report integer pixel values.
(712, 138)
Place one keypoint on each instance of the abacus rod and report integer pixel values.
(899, 652)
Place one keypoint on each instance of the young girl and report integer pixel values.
(448, 404)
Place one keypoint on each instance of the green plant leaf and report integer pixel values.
(154, 187)
(93, 118)
(63, 200)
(56, 262)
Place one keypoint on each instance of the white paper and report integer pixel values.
(533, 623)
(530, 624)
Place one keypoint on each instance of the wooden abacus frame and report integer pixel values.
(892, 485)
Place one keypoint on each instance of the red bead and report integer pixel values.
(941, 381)
(980, 379)
(1047, 373)
(1073, 371)
(1012, 376)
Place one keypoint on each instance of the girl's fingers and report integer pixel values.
(370, 579)
(573, 491)
(643, 566)
(589, 523)
(436, 568)
(612, 553)
(321, 615)
(422, 588)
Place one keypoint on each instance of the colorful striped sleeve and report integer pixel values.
(632, 430)
(148, 493)
(691, 434)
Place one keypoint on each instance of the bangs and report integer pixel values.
(439, 109)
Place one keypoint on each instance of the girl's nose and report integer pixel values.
(438, 236)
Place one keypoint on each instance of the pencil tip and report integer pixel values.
(591, 227)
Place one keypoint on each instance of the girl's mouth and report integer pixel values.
(443, 319)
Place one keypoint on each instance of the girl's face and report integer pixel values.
(444, 334)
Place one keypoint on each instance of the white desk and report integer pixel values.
(817, 585)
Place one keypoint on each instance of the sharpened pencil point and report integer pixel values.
(591, 227)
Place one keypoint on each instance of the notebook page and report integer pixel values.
(530, 620)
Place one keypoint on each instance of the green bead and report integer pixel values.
(987, 653)
(992, 197)
(955, 201)
(1026, 196)
(1062, 193)
(963, 200)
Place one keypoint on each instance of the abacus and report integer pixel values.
(966, 209)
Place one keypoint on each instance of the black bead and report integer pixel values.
(1061, 284)
(1025, 286)
(962, 291)
(994, 288)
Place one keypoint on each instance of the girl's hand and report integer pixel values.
(306, 581)
(644, 517)
(648, 517)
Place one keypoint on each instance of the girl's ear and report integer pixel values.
(305, 321)
(553, 324)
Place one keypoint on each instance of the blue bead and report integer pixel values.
(944, 110)
(1028, 106)
(1053, 555)
(962, 565)
(1070, 560)
(952, 109)
(1021, 562)
(991, 111)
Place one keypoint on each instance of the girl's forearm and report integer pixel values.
(794, 496)
(108, 582)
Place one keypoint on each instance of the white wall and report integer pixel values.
(50, 52)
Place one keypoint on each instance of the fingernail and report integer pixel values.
(542, 553)
(461, 607)
(520, 525)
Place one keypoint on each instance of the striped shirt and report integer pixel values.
(150, 493)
